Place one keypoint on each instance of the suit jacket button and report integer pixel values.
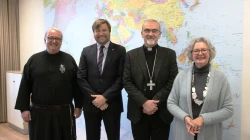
(145, 89)
(99, 90)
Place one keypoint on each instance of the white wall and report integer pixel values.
(31, 18)
(32, 34)
(245, 121)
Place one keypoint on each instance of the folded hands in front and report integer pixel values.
(194, 125)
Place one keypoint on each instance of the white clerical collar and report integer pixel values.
(149, 49)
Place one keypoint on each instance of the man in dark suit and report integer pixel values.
(149, 73)
(100, 79)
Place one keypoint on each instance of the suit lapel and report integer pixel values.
(110, 54)
(93, 54)
(141, 59)
(158, 62)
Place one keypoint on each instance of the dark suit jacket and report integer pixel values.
(135, 79)
(109, 84)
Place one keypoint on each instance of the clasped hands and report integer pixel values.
(194, 126)
(150, 107)
(100, 102)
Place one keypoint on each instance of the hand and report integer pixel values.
(77, 112)
(188, 121)
(191, 125)
(191, 131)
(98, 101)
(104, 106)
(198, 122)
(150, 107)
(26, 116)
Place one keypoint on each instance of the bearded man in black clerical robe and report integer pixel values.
(46, 92)
(148, 76)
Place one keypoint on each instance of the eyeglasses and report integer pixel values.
(203, 51)
(54, 38)
(153, 31)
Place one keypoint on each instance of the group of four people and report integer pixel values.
(199, 100)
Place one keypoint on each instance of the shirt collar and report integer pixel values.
(106, 45)
(153, 48)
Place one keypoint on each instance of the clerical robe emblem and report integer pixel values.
(62, 68)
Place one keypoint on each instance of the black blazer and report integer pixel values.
(109, 84)
(135, 79)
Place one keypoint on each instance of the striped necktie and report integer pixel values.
(100, 60)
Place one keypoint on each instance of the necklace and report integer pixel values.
(151, 84)
(194, 94)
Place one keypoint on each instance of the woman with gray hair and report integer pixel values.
(201, 96)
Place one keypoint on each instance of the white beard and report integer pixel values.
(151, 42)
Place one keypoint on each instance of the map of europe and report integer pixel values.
(180, 20)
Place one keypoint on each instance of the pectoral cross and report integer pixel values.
(151, 84)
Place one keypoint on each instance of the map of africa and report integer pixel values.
(181, 20)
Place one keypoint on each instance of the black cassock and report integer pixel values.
(50, 82)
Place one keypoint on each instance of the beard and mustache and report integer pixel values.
(150, 40)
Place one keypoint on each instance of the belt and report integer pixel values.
(50, 107)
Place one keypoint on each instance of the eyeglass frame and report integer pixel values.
(154, 31)
(197, 51)
(50, 38)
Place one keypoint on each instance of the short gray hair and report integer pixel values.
(151, 20)
(53, 28)
(210, 46)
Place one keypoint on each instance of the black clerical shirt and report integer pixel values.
(150, 57)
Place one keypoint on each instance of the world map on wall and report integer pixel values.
(181, 20)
